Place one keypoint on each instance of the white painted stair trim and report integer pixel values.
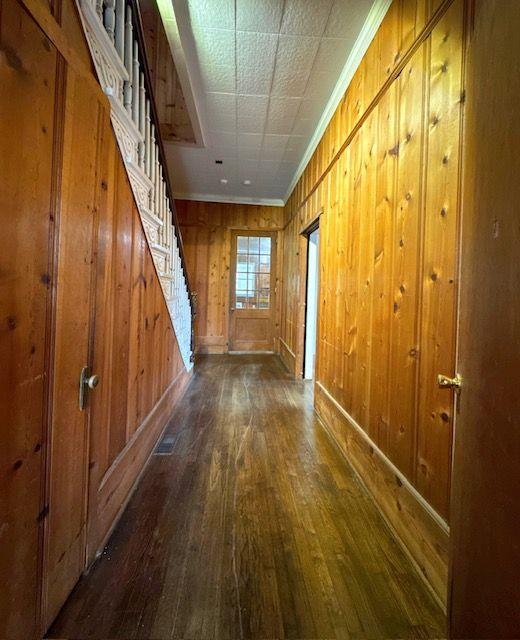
(109, 32)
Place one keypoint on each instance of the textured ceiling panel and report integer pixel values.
(263, 72)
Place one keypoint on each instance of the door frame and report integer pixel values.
(234, 233)
(303, 248)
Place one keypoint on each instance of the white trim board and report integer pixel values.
(369, 30)
(208, 197)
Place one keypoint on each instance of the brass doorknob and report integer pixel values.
(92, 381)
(450, 383)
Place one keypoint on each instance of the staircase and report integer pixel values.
(115, 37)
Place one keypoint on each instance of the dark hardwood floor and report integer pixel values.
(253, 527)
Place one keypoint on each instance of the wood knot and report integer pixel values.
(11, 323)
(434, 276)
(17, 464)
(394, 151)
(443, 212)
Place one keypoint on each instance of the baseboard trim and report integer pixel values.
(173, 394)
(287, 356)
(421, 532)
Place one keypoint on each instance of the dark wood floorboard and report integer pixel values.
(254, 527)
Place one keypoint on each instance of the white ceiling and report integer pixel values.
(263, 75)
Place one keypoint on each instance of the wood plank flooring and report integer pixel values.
(253, 527)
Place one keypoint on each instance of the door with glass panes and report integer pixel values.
(252, 291)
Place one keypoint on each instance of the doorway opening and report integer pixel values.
(311, 304)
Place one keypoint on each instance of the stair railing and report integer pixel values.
(114, 33)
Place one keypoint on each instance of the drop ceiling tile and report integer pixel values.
(303, 127)
(250, 125)
(259, 15)
(218, 78)
(305, 17)
(279, 125)
(222, 139)
(208, 13)
(280, 107)
(293, 64)
(331, 56)
(272, 155)
(255, 50)
(252, 106)
(310, 108)
(256, 81)
(249, 140)
(275, 141)
(215, 46)
(347, 18)
(319, 87)
(265, 76)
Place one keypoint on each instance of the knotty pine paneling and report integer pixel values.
(135, 353)
(28, 205)
(206, 232)
(77, 287)
(386, 174)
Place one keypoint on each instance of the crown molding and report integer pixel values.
(366, 35)
(208, 197)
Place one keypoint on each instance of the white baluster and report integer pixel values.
(148, 149)
(120, 28)
(128, 58)
(136, 100)
(99, 8)
(109, 19)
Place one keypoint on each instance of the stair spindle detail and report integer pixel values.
(114, 34)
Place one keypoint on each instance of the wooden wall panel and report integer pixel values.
(28, 143)
(77, 287)
(389, 250)
(206, 236)
(135, 353)
(65, 527)
(169, 98)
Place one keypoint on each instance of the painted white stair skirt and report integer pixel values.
(108, 26)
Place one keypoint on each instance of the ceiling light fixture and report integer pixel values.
(247, 182)
(223, 181)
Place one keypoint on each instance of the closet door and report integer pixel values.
(28, 145)
(74, 381)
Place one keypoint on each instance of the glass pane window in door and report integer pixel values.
(253, 272)
(265, 246)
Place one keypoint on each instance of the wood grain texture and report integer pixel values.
(78, 287)
(64, 553)
(28, 205)
(171, 106)
(134, 350)
(253, 527)
(206, 230)
(387, 174)
(485, 585)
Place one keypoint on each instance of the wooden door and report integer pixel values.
(29, 143)
(65, 531)
(485, 523)
(252, 291)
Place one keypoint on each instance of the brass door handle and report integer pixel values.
(86, 382)
(450, 383)
(92, 382)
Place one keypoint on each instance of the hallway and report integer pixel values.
(253, 527)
